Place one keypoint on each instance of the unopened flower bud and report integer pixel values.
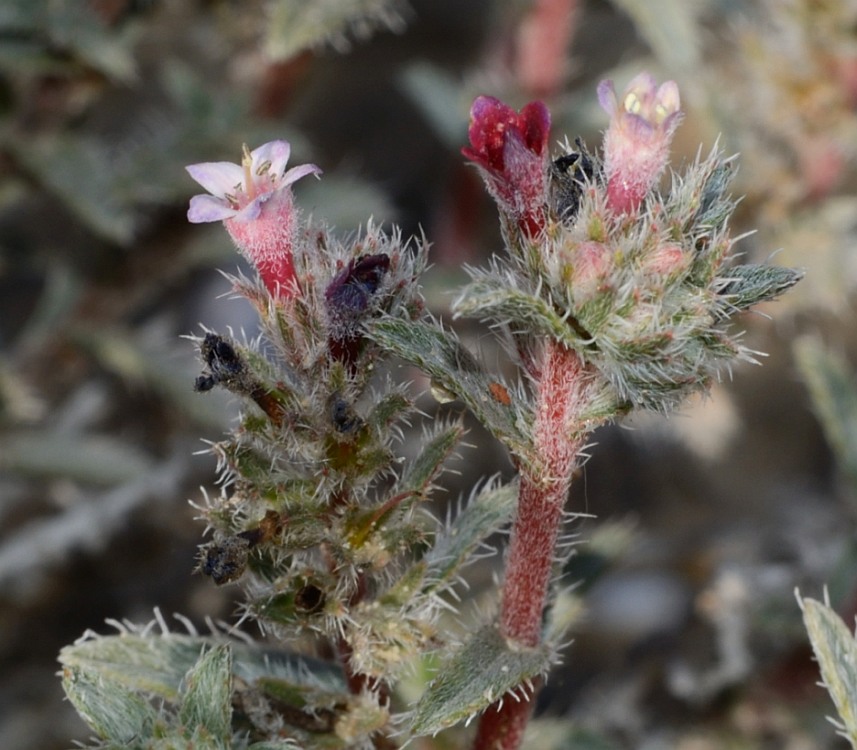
(590, 264)
(668, 261)
(510, 150)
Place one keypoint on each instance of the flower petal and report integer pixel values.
(275, 152)
(217, 177)
(534, 122)
(295, 173)
(253, 209)
(206, 208)
(667, 101)
(607, 96)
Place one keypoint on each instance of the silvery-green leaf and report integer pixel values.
(491, 297)
(488, 510)
(296, 25)
(747, 285)
(207, 694)
(419, 473)
(111, 709)
(836, 652)
(442, 356)
(832, 387)
(474, 677)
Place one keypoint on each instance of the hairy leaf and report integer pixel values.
(423, 470)
(490, 297)
(110, 708)
(157, 664)
(486, 513)
(836, 652)
(295, 25)
(207, 699)
(485, 669)
(750, 284)
(440, 354)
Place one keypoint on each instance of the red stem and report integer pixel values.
(559, 437)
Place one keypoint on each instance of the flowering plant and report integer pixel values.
(611, 297)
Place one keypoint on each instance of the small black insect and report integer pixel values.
(569, 175)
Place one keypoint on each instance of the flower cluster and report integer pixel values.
(318, 518)
(636, 282)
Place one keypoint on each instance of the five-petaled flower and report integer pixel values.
(254, 200)
(510, 150)
(637, 141)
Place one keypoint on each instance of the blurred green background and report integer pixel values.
(690, 636)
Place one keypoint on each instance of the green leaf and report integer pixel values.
(111, 709)
(747, 285)
(74, 169)
(207, 699)
(441, 355)
(671, 30)
(153, 664)
(476, 676)
(393, 406)
(491, 297)
(836, 652)
(57, 35)
(423, 470)
(833, 389)
(157, 664)
(486, 513)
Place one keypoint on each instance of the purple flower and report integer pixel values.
(636, 144)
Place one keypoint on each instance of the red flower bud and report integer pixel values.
(510, 150)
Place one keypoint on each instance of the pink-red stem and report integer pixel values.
(559, 437)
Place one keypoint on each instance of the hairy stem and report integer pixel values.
(559, 438)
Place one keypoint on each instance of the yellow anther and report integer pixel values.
(632, 104)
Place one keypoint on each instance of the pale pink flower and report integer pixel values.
(637, 141)
(255, 202)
